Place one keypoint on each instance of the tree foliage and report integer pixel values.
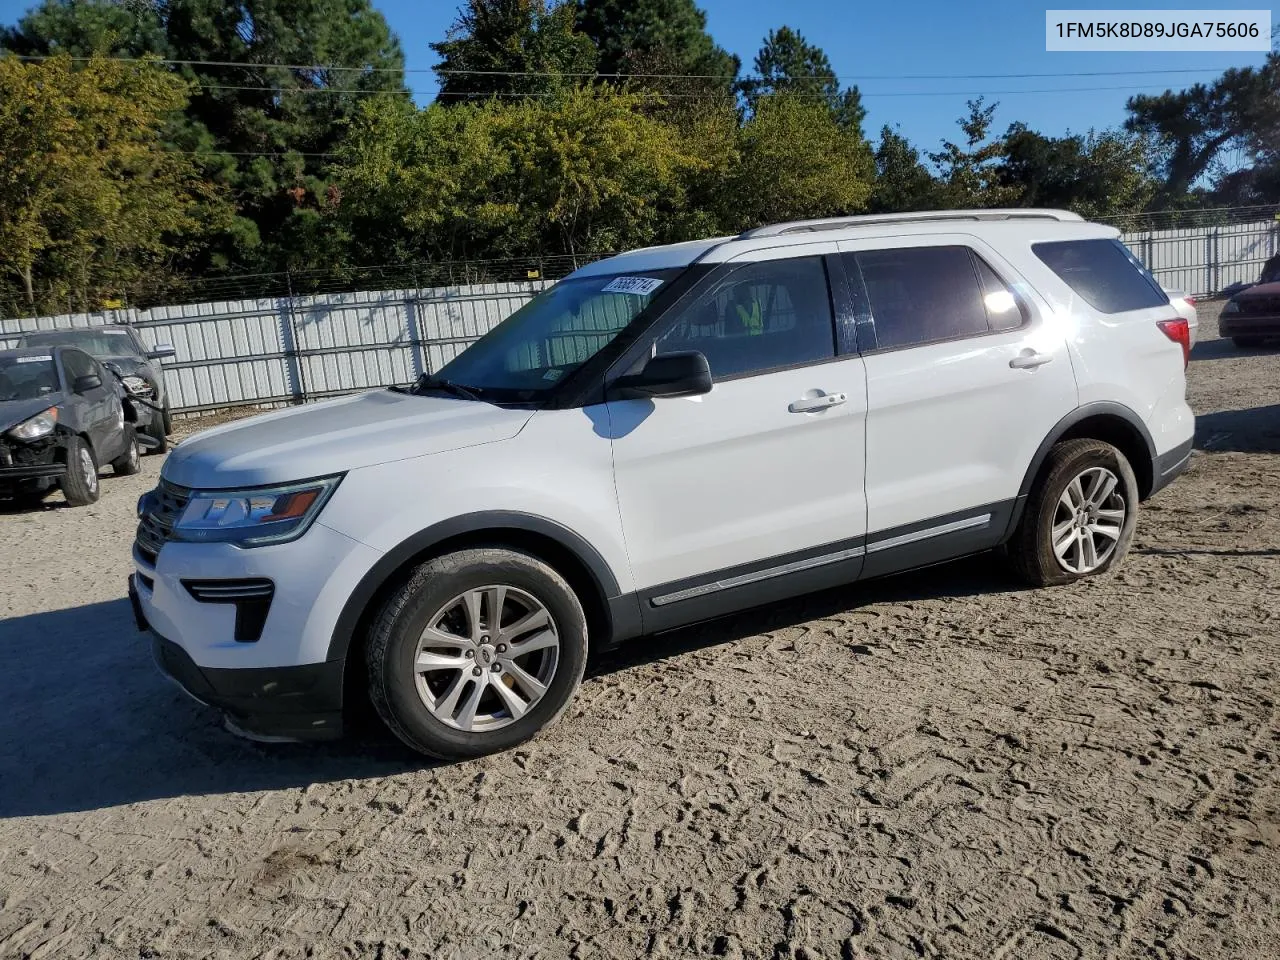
(788, 63)
(1097, 174)
(513, 48)
(626, 30)
(91, 204)
(969, 173)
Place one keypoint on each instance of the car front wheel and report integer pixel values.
(1080, 517)
(80, 482)
(478, 651)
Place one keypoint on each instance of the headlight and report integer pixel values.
(138, 387)
(41, 425)
(255, 516)
(1231, 307)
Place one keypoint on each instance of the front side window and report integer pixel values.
(1103, 273)
(27, 378)
(774, 313)
(77, 365)
(553, 334)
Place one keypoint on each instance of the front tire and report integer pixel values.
(1080, 516)
(80, 482)
(476, 652)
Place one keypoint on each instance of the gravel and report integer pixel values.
(939, 764)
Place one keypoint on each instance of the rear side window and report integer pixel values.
(922, 295)
(1103, 272)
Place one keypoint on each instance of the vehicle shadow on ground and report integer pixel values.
(90, 722)
(1252, 430)
(1225, 349)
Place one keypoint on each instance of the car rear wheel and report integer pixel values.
(476, 652)
(1080, 516)
(1247, 342)
(80, 482)
(129, 462)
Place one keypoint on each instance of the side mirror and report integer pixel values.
(683, 374)
(87, 383)
(161, 351)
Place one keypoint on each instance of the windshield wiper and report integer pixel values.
(429, 382)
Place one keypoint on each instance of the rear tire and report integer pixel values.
(1247, 343)
(80, 482)
(477, 652)
(129, 462)
(1080, 516)
(156, 430)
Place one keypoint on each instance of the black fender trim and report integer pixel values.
(490, 520)
(1098, 408)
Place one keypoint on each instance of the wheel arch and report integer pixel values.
(608, 614)
(1110, 422)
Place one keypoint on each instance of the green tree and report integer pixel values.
(1098, 174)
(92, 206)
(788, 63)
(969, 174)
(795, 162)
(625, 31)
(259, 129)
(585, 173)
(1192, 127)
(513, 47)
(902, 182)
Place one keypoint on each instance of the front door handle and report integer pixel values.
(821, 402)
(1029, 360)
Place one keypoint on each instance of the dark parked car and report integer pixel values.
(139, 365)
(1252, 315)
(61, 416)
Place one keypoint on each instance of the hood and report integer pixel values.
(1259, 291)
(127, 364)
(336, 435)
(13, 412)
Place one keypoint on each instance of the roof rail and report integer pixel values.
(837, 223)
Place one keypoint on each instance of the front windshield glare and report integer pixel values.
(26, 378)
(553, 334)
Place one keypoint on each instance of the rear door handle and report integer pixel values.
(1029, 360)
(810, 404)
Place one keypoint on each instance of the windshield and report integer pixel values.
(552, 335)
(99, 343)
(25, 378)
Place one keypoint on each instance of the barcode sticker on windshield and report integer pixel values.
(34, 359)
(643, 286)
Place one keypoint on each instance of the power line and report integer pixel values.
(331, 68)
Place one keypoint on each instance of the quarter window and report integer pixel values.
(922, 295)
(774, 313)
(1104, 273)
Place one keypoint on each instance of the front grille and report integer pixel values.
(27, 454)
(164, 505)
(1260, 306)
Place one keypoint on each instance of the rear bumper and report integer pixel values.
(296, 703)
(1169, 466)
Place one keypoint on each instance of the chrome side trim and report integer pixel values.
(955, 526)
(758, 575)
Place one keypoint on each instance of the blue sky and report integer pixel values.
(870, 41)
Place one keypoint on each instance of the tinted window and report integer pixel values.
(1004, 310)
(922, 294)
(99, 341)
(77, 365)
(775, 313)
(1103, 272)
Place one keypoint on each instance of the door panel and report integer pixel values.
(953, 425)
(770, 462)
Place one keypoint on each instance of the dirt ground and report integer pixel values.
(942, 765)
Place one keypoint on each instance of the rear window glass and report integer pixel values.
(1103, 272)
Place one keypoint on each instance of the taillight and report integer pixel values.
(1179, 331)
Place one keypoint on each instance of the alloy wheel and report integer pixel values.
(486, 658)
(88, 470)
(1088, 521)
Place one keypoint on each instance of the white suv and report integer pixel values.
(664, 437)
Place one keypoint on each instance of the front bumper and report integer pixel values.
(1248, 325)
(21, 463)
(295, 703)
